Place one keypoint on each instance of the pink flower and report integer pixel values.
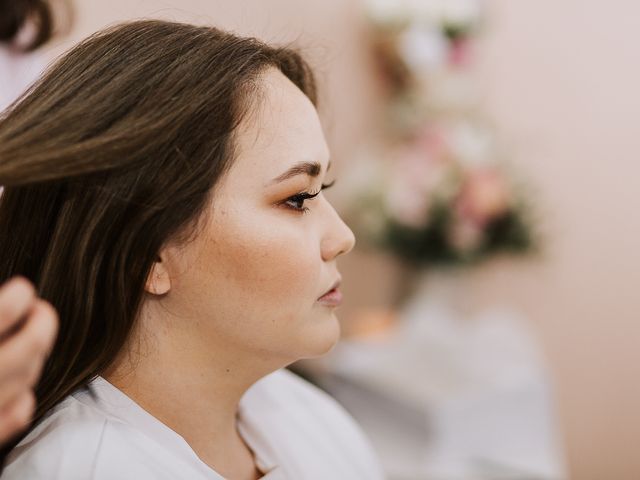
(407, 200)
(433, 142)
(418, 172)
(465, 235)
(460, 52)
(485, 196)
(407, 205)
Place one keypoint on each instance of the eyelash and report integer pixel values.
(302, 196)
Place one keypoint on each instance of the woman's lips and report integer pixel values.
(332, 298)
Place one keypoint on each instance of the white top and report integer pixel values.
(295, 430)
(18, 70)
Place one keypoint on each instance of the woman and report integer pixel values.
(172, 176)
(27, 323)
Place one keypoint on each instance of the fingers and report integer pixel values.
(16, 299)
(28, 327)
(16, 415)
(27, 348)
(20, 382)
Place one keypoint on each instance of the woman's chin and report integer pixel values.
(322, 336)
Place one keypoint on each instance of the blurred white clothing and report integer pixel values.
(295, 430)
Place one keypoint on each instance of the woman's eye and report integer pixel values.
(296, 202)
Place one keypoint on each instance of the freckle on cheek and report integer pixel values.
(254, 262)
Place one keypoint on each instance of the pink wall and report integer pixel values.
(560, 79)
(562, 82)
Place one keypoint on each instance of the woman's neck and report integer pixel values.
(195, 392)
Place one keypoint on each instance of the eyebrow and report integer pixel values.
(311, 169)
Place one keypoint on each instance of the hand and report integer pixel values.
(28, 327)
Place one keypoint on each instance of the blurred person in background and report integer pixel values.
(27, 323)
(164, 191)
(25, 25)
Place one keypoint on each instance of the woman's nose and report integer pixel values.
(339, 238)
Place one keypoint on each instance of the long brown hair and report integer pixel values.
(113, 153)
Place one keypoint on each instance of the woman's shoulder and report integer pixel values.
(71, 429)
(283, 383)
(74, 440)
(285, 391)
(290, 410)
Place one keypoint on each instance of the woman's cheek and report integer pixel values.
(275, 261)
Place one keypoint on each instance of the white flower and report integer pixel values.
(460, 12)
(386, 11)
(423, 49)
(426, 10)
(472, 145)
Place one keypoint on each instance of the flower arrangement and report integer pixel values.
(439, 195)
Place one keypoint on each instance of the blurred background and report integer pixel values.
(485, 153)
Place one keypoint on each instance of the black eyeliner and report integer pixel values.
(302, 196)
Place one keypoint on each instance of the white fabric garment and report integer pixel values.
(17, 72)
(295, 430)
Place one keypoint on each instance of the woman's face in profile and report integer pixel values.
(251, 279)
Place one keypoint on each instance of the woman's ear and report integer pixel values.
(158, 281)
